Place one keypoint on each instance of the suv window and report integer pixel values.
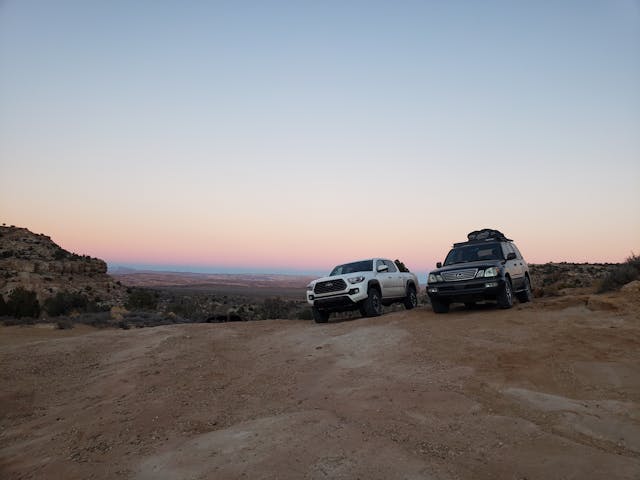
(507, 249)
(474, 253)
(518, 254)
(391, 265)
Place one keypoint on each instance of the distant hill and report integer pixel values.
(35, 262)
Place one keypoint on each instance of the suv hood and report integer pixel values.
(464, 266)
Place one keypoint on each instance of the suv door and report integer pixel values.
(515, 266)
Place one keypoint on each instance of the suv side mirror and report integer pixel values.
(383, 268)
(511, 256)
(439, 265)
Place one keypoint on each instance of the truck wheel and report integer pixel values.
(320, 316)
(525, 295)
(505, 297)
(411, 300)
(373, 303)
(439, 307)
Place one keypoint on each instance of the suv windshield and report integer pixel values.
(474, 253)
(363, 266)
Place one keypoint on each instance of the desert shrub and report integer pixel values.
(98, 320)
(3, 307)
(23, 303)
(622, 274)
(63, 303)
(305, 314)
(275, 307)
(143, 299)
(64, 324)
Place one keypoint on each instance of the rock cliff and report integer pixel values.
(34, 262)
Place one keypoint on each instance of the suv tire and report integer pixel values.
(505, 297)
(525, 295)
(373, 303)
(320, 316)
(439, 307)
(411, 300)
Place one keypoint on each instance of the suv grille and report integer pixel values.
(459, 275)
(330, 286)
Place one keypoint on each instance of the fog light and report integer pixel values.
(353, 291)
(432, 290)
(311, 297)
(490, 284)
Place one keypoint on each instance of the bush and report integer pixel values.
(23, 303)
(63, 303)
(3, 307)
(621, 274)
(142, 299)
(275, 307)
(64, 324)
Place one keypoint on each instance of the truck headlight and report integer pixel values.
(356, 279)
(310, 287)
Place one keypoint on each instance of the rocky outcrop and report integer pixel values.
(34, 262)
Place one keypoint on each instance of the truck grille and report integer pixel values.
(459, 275)
(330, 286)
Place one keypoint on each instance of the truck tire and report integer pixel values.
(320, 316)
(411, 300)
(525, 295)
(505, 297)
(373, 303)
(439, 307)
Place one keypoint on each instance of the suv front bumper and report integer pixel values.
(466, 291)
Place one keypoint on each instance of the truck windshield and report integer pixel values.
(363, 266)
(474, 253)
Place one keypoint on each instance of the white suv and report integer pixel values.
(365, 285)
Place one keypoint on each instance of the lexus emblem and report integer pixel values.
(330, 284)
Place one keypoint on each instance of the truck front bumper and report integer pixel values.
(348, 299)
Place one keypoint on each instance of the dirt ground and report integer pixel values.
(548, 390)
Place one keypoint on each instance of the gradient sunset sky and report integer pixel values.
(292, 136)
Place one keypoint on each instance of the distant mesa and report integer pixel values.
(36, 263)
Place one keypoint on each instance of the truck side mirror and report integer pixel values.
(383, 268)
(439, 265)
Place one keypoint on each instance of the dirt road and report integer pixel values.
(549, 390)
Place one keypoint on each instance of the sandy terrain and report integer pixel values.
(549, 390)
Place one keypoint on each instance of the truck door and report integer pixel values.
(398, 279)
(386, 279)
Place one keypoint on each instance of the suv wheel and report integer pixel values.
(439, 307)
(320, 316)
(505, 297)
(525, 295)
(411, 300)
(373, 303)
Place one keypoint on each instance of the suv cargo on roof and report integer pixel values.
(488, 266)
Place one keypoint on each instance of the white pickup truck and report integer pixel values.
(365, 285)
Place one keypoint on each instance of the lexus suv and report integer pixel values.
(488, 266)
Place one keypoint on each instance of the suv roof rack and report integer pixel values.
(485, 235)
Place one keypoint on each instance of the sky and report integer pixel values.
(276, 136)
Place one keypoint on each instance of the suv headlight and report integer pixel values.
(435, 278)
(492, 272)
(356, 279)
